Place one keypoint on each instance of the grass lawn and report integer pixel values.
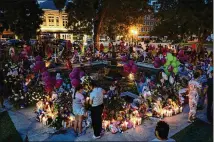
(8, 132)
(197, 131)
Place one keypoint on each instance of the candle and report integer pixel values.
(139, 120)
(181, 109)
(125, 124)
(44, 120)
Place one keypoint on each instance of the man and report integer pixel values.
(162, 131)
(96, 101)
(210, 97)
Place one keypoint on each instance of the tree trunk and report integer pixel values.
(98, 23)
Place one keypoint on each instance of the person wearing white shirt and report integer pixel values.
(96, 100)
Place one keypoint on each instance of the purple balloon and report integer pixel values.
(75, 82)
(76, 70)
(74, 75)
(157, 59)
(82, 73)
(127, 68)
(163, 61)
(156, 65)
(131, 62)
(38, 58)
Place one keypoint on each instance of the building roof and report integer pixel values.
(49, 4)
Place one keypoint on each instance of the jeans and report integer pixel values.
(96, 116)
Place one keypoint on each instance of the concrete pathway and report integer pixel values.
(26, 124)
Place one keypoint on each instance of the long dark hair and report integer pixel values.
(77, 89)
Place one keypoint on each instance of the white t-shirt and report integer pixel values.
(97, 97)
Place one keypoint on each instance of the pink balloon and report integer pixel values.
(58, 83)
(170, 68)
(131, 62)
(38, 58)
(75, 82)
(127, 68)
(181, 53)
(134, 69)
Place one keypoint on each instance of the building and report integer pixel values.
(149, 20)
(54, 22)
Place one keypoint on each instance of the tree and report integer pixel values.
(60, 4)
(23, 17)
(101, 13)
(185, 18)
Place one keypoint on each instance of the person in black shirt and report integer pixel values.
(210, 97)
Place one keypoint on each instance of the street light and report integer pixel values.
(133, 32)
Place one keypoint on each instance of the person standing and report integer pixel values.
(210, 97)
(194, 87)
(78, 109)
(96, 101)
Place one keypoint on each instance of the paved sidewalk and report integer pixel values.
(26, 124)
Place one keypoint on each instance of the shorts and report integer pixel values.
(79, 111)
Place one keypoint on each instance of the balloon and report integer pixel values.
(178, 63)
(170, 68)
(134, 69)
(171, 80)
(38, 58)
(58, 83)
(181, 53)
(76, 70)
(174, 64)
(45, 74)
(169, 55)
(156, 65)
(75, 83)
(127, 68)
(48, 88)
(74, 75)
(131, 62)
(175, 70)
(124, 58)
(186, 57)
(163, 61)
(82, 74)
(174, 59)
(170, 58)
(157, 59)
(167, 63)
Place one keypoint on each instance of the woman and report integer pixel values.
(78, 109)
(194, 87)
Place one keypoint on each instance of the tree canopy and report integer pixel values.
(185, 18)
(23, 17)
(104, 14)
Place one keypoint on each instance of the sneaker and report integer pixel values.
(94, 137)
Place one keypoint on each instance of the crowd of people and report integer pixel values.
(196, 71)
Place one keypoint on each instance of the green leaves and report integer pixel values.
(23, 17)
(60, 4)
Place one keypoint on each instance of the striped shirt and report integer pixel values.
(96, 96)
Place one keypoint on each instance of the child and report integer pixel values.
(194, 88)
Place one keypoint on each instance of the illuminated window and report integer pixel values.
(57, 21)
(64, 20)
(51, 20)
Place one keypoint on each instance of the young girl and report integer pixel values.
(194, 87)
